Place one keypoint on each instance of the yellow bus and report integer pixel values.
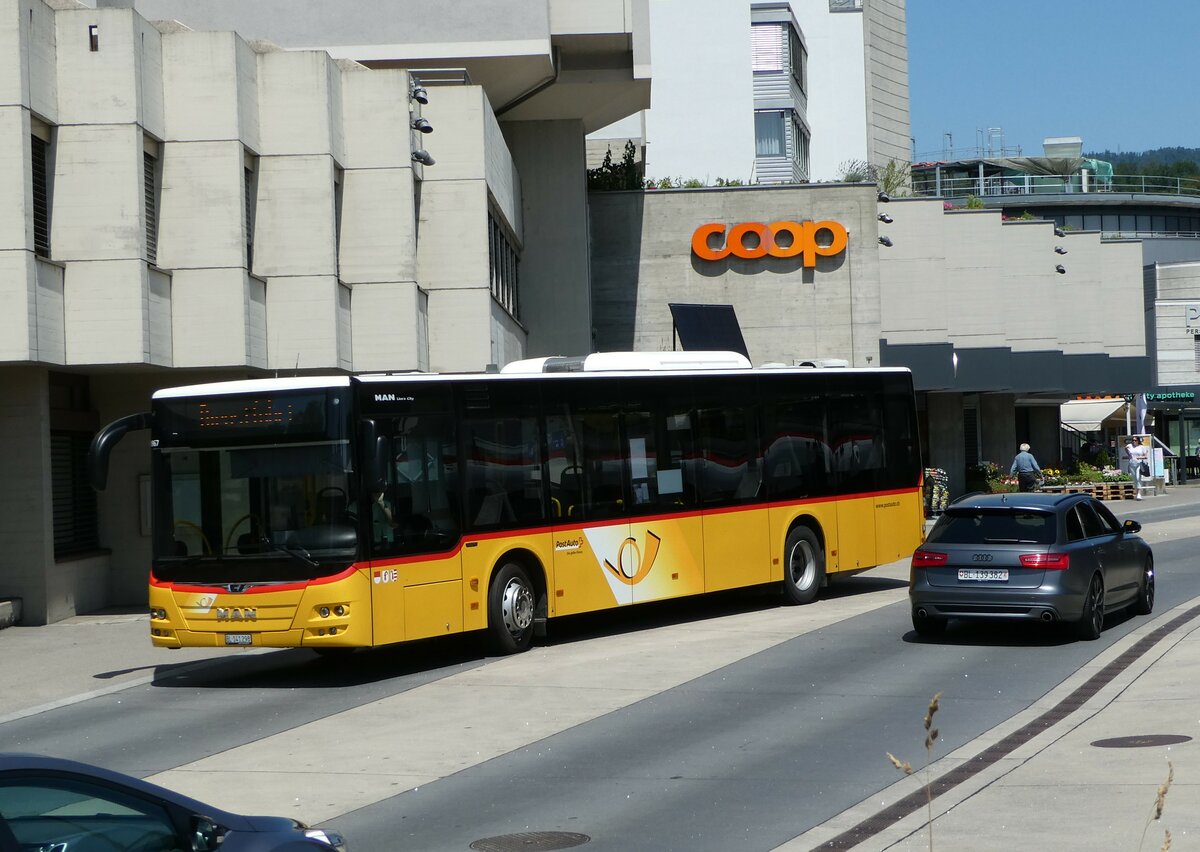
(355, 511)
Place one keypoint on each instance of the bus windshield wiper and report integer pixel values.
(294, 551)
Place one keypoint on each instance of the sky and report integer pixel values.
(1121, 75)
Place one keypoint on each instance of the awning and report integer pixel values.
(1086, 415)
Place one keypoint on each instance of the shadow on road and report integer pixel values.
(431, 659)
(1011, 634)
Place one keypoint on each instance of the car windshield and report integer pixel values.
(993, 526)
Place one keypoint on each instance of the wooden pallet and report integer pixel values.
(1114, 491)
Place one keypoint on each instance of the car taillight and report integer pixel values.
(1047, 561)
(928, 558)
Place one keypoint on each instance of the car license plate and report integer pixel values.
(983, 574)
(238, 639)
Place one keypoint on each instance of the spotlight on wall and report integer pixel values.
(1059, 232)
(885, 218)
(422, 124)
(1060, 269)
(885, 241)
(1059, 250)
(423, 157)
(418, 94)
(884, 197)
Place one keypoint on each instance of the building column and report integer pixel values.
(946, 449)
(998, 427)
(26, 506)
(556, 295)
(1044, 425)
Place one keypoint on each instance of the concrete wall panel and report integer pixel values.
(379, 238)
(203, 84)
(453, 249)
(18, 306)
(107, 312)
(385, 317)
(98, 193)
(303, 323)
(296, 110)
(16, 187)
(201, 210)
(459, 330)
(98, 86)
(51, 331)
(294, 228)
(376, 119)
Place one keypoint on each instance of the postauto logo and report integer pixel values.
(808, 240)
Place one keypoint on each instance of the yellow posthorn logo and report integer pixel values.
(634, 570)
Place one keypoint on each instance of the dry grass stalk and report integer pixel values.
(931, 736)
(1160, 801)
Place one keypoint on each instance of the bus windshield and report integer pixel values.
(274, 512)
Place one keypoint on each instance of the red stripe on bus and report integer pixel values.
(283, 587)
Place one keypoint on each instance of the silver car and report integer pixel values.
(1034, 556)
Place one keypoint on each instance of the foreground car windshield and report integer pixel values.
(992, 526)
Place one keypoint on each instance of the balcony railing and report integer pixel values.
(927, 183)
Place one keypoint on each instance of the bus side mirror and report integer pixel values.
(375, 456)
(107, 438)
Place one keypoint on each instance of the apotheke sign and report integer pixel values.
(807, 240)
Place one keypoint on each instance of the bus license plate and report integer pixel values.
(983, 574)
(240, 638)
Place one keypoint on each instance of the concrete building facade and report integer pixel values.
(186, 201)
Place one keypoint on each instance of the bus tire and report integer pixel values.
(511, 604)
(803, 566)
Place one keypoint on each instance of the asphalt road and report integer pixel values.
(747, 755)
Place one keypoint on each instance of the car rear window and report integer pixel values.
(993, 526)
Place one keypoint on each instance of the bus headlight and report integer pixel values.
(324, 612)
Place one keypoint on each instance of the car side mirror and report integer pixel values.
(1131, 527)
(206, 835)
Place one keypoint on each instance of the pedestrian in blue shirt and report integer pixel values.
(1026, 469)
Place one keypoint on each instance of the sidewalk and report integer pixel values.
(1063, 786)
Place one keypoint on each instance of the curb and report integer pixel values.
(10, 612)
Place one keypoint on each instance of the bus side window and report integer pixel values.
(503, 471)
(798, 459)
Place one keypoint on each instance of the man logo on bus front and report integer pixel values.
(639, 566)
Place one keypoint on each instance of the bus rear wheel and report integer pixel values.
(803, 566)
(510, 609)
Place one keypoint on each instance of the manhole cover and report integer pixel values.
(1142, 741)
(530, 841)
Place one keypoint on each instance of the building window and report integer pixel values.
(150, 185)
(76, 528)
(40, 153)
(250, 192)
(797, 59)
(801, 137)
(504, 266)
(338, 183)
(770, 138)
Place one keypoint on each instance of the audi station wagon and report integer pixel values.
(1039, 557)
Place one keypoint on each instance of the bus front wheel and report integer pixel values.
(510, 609)
(803, 566)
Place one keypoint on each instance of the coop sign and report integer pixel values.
(750, 240)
